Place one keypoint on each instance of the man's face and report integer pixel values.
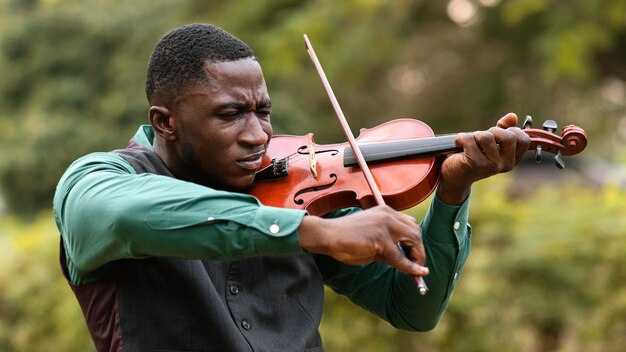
(224, 128)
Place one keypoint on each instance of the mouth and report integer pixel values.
(251, 162)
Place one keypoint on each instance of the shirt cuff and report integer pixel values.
(446, 223)
(277, 230)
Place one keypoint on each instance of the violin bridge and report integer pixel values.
(312, 161)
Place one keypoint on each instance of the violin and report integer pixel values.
(404, 154)
(404, 157)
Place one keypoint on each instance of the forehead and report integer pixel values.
(231, 81)
(240, 72)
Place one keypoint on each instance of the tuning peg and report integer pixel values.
(538, 153)
(528, 122)
(550, 126)
(558, 160)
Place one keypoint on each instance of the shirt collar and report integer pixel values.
(145, 136)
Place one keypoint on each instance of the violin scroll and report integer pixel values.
(572, 141)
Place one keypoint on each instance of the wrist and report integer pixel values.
(453, 194)
(312, 238)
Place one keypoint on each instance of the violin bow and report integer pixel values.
(419, 280)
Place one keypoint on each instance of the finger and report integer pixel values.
(472, 157)
(401, 261)
(508, 120)
(506, 141)
(513, 142)
(488, 146)
(468, 143)
(407, 235)
(401, 223)
(522, 143)
(417, 253)
(413, 247)
(409, 221)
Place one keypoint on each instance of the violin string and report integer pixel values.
(295, 157)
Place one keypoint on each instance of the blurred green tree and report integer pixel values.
(72, 83)
(545, 274)
(546, 269)
(73, 71)
(38, 311)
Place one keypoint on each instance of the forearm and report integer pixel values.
(393, 295)
(447, 236)
(110, 214)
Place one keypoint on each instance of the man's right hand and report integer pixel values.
(367, 236)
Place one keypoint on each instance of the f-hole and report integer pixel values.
(313, 189)
(304, 151)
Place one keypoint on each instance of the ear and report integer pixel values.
(163, 122)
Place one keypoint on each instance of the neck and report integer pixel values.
(165, 152)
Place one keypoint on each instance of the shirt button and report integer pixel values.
(457, 225)
(274, 228)
(455, 276)
(245, 325)
(234, 289)
(211, 218)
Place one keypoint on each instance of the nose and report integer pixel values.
(255, 131)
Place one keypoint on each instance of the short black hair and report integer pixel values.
(178, 58)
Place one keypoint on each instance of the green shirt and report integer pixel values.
(105, 211)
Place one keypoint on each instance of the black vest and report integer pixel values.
(268, 303)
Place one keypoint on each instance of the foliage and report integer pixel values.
(71, 84)
(545, 274)
(73, 71)
(38, 311)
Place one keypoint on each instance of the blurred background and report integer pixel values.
(547, 270)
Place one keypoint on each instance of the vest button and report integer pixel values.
(246, 325)
(234, 289)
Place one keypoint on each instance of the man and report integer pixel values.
(165, 250)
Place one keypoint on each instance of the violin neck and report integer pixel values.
(376, 152)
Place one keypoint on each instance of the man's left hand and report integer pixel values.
(485, 153)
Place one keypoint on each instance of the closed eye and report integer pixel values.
(264, 108)
(263, 113)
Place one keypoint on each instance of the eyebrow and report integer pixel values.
(241, 106)
(265, 103)
(236, 106)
